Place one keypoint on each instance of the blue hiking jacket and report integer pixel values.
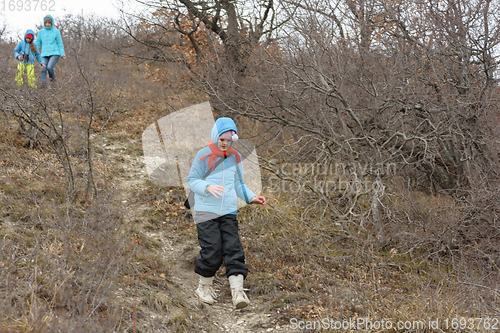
(23, 48)
(50, 41)
(225, 174)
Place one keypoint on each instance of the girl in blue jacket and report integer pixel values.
(26, 53)
(215, 209)
(50, 42)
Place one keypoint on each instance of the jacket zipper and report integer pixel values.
(223, 174)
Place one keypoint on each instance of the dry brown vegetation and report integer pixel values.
(380, 167)
(377, 126)
(70, 256)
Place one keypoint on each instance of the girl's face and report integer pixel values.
(223, 144)
(48, 24)
(28, 40)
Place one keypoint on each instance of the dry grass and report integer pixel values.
(72, 263)
(312, 269)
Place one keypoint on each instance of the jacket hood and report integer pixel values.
(29, 31)
(222, 125)
(51, 18)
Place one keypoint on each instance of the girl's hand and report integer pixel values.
(259, 200)
(64, 57)
(215, 190)
(20, 57)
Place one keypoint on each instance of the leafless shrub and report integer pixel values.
(64, 248)
(395, 104)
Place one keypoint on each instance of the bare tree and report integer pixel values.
(3, 28)
(358, 106)
(238, 25)
(365, 81)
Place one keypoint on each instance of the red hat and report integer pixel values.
(29, 36)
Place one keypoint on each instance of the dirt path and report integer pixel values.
(179, 252)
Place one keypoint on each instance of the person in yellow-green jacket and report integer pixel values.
(26, 52)
(50, 43)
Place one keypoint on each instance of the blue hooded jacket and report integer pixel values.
(24, 48)
(225, 174)
(50, 41)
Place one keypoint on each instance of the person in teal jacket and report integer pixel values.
(50, 43)
(26, 53)
(215, 207)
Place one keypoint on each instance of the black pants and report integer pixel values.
(219, 240)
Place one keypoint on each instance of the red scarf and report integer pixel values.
(216, 153)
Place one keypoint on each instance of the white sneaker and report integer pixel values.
(240, 299)
(206, 294)
(205, 291)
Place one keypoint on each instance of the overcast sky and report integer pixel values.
(20, 19)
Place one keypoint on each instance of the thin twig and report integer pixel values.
(135, 300)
